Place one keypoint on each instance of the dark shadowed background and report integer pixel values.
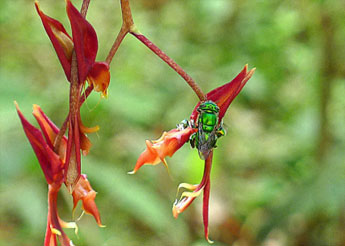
(278, 176)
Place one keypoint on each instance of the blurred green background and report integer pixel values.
(278, 176)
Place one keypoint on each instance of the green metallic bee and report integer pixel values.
(209, 129)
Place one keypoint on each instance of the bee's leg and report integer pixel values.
(192, 140)
(220, 132)
(183, 125)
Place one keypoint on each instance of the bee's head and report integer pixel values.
(208, 106)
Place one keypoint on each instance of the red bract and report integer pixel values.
(84, 39)
(85, 44)
(157, 150)
(51, 164)
(50, 131)
(225, 94)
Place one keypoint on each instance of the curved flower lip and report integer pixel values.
(99, 77)
(188, 197)
(166, 145)
(50, 162)
(225, 94)
(83, 191)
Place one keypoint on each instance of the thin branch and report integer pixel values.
(196, 88)
(128, 26)
(84, 7)
(126, 14)
(123, 32)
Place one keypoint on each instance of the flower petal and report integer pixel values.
(85, 143)
(188, 197)
(166, 145)
(60, 39)
(84, 39)
(50, 162)
(83, 191)
(225, 94)
(99, 77)
(50, 131)
(185, 200)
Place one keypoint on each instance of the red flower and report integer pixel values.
(219, 101)
(53, 167)
(83, 191)
(166, 145)
(85, 45)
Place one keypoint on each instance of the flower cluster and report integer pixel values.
(202, 130)
(60, 156)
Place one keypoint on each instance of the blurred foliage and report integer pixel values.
(279, 175)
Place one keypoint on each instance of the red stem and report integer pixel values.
(84, 7)
(172, 64)
(123, 32)
(205, 207)
(53, 218)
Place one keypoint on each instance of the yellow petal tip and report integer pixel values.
(209, 241)
(55, 231)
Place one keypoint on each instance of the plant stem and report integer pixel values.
(63, 128)
(126, 14)
(74, 90)
(84, 7)
(172, 64)
(128, 26)
(123, 32)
